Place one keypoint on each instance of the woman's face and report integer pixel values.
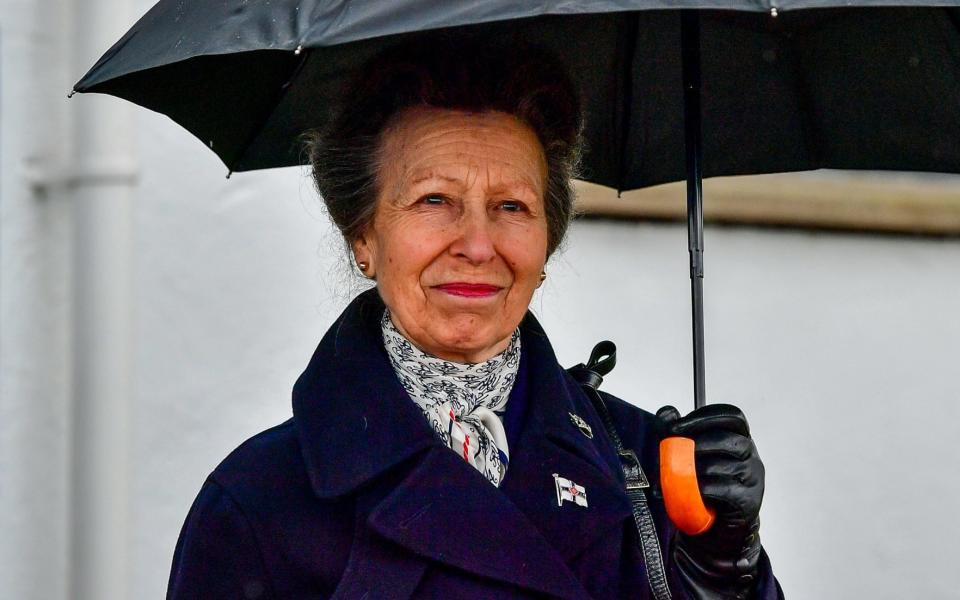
(459, 237)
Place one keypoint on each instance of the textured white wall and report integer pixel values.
(842, 349)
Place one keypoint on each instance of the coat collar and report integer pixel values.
(353, 417)
(356, 423)
(355, 420)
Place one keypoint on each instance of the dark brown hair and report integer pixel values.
(470, 75)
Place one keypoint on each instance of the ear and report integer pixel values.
(363, 254)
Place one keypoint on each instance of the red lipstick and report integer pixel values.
(468, 290)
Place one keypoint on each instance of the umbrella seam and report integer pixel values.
(258, 129)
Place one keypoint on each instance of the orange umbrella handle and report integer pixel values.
(681, 494)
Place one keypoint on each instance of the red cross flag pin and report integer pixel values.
(569, 491)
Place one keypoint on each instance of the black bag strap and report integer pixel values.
(602, 360)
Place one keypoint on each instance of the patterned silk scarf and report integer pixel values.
(464, 403)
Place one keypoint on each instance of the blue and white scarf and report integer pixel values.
(464, 403)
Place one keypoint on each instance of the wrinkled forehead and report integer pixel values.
(454, 146)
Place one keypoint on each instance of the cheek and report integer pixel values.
(528, 253)
(404, 262)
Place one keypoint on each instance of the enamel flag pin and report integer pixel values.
(568, 490)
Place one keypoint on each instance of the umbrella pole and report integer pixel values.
(690, 42)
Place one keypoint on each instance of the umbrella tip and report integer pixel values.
(229, 173)
(298, 50)
(70, 95)
(773, 12)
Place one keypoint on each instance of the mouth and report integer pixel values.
(468, 290)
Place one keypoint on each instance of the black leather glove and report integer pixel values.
(721, 563)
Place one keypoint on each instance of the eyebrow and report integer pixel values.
(433, 175)
(430, 175)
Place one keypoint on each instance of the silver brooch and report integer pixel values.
(582, 425)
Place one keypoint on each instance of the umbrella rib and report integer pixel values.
(258, 129)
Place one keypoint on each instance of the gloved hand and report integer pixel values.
(721, 563)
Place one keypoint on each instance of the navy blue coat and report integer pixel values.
(355, 496)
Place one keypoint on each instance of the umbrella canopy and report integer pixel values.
(840, 88)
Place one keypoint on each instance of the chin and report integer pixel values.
(473, 343)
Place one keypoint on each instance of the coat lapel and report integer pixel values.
(448, 512)
(552, 442)
(354, 419)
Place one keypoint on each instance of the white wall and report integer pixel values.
(841, 349)
(34, 304)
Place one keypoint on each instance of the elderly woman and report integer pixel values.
(437, 449)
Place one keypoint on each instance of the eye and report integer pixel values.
(432, 200)
(513, 206)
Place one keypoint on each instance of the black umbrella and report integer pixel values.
(783, 89)
(842, 88)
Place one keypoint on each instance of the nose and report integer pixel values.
(475, 242)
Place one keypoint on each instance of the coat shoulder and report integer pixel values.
(254, 510)
(621, 407)
(267, 476)
(265, 460)
(634, 420)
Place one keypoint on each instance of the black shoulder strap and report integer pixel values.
(602, 360)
